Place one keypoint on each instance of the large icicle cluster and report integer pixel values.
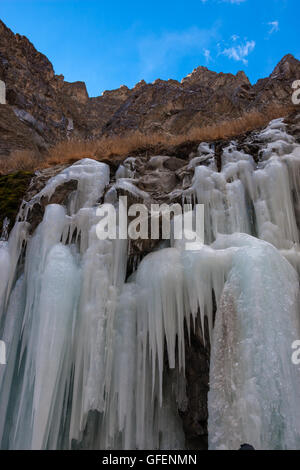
(98, 361)
(78, 368)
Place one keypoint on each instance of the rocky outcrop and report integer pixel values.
(42, 108)
(15, 134)
(202, 98)
(12, 190)
(277, 87)
(49, 107)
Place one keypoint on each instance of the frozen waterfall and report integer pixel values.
(96, 359)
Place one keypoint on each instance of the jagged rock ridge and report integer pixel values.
(42, 108)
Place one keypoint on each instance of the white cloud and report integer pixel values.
(240, 52)
(274, 26)
(159, 52)
(207, 55)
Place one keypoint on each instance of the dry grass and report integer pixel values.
(68, 152)
(71, 150)
(121, 146)
(20, 160)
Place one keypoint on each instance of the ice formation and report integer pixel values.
(95, 360)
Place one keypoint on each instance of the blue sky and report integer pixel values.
(110, 43)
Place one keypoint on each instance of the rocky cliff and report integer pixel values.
(42, 108)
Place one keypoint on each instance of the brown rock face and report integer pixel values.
(202, 98)
(14, 134)
(48, 109)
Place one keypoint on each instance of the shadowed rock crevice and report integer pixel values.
(194, 417)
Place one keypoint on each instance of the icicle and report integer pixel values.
(254, 386)
(92, 177)
(128, 185)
